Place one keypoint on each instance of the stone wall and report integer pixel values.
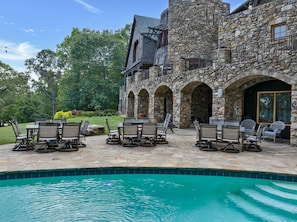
(242, 52)
(193, 28)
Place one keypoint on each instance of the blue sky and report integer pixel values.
(28, 26)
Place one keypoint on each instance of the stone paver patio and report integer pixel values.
(181, 152)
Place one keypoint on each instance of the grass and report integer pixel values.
(7, 136)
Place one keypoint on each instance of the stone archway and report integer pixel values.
(243, 101)
(196, 103)
(163, 103)
(143, 103)
(130, 106)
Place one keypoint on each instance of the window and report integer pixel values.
(273, 106)
(135, 51)
(279, 32)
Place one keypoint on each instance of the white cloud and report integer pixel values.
(15, 54)
(29, 30)
(88, 7)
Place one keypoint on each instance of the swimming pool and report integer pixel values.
(127, 195)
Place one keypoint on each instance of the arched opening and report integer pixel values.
(196, 103)
(261, 98)
(143, 103)
(163, 103)
(130, 107)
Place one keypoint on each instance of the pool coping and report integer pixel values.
(146, 170)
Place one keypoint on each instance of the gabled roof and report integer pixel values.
(142, 24)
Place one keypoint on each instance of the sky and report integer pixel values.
(29, 26)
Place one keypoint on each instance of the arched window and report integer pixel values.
(135, 51)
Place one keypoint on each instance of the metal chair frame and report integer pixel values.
(47, 137)
(149, 134)
(231, 135)
(114, 136)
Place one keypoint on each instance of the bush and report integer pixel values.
(63, 115)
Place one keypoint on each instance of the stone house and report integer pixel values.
(209, 62)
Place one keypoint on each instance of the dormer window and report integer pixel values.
(279, 32)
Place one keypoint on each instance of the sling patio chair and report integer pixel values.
(47, 137)
(197, 129)
(23, 141)
(149, 134)
(114, 136)
(251, 141)
(70, 136)
(83, 133)
(230, 135)
(162, 130)
(208, 135)
(130, 135)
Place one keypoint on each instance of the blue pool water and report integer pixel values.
(142, 197)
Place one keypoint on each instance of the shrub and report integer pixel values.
(63, 115)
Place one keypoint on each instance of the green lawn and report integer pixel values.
(7, 135)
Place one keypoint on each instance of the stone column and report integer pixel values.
(293, 132)
(138, 76)
(151, 113)
(219, 103)
(181, 65)
(154, 71)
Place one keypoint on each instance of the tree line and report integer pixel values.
(84, 73)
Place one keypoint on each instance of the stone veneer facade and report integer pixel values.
(236, 52)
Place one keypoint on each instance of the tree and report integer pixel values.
(14, 89)
(95, 61)
(48, 68)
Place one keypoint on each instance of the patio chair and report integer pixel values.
(114, 136)
(251, 141)
(197, 129)
(231, 135)
(70, 136)
(249, 126)
(83, 133)
(273, 130)
(130, 135)
(170, 125)
(208, 135)
(162, 130)
(21, 139)
(149, 134)
(47, 137)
